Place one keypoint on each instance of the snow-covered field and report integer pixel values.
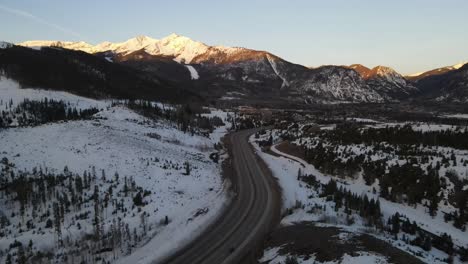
(457, 116)
(117, 140)
(10, 92)
(419, 126)
(272, 256)
(286, 167)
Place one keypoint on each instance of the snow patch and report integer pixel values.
(193, 73)
(5, 45)
(11, 92)
(275, 69)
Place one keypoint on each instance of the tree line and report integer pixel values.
(37, 112)
(397, 135)
(187, 117)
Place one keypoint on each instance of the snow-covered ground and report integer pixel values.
(362, 120)
(117, 139)
(11, 94)
(219, 132)
(419, 126)
(285, 168)
(457, 116)
(272, 256)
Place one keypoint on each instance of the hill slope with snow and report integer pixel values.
(115, 157)
(257, 74)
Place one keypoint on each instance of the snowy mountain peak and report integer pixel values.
(182, 48)
(140, 41)
(361, 69)
(383, 71)
(173, 36)
(128, 46)
(143, 38)
(80, 45)
(378, 71)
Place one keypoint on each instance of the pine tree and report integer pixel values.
(103, 176)
(21, 255)
(395, 221)
(138, 199)
(187, 168)
(57, 222)
(8, 259)
(97, 218)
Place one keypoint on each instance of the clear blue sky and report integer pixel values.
(410, 36)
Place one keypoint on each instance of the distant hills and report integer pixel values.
(241, 74)
(83, 74)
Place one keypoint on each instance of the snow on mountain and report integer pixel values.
(81, 45)
(5, 45)
(459, 65)
(126, 47)
(243, 69)
(275, 69)
(11, 94)
(388, 74)
(193, 73)
(332, 83)
(446, 86)
(183, 49)
(438, 71)
(361, 69)
(415, 74)
(386, 81)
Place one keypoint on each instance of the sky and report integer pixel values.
(409, 36)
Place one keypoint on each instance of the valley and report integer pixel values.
(172, 150)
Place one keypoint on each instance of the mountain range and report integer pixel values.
(233, 73)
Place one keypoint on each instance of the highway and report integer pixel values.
(237, 234)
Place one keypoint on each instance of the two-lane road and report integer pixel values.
(235, 236)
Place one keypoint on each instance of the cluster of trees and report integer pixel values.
(397, 135)
(424, 239)
(411, 184)
(414, 180)
(328, 160)
(40, 200)
(368, 209)
(188, 117)
(458, 198)
(33, 113)
(408, 183)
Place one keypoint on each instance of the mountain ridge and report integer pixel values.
(437, 71)
(254, 74)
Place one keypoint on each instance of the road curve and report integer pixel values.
(235, 235)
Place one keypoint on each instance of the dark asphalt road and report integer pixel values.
(239, 231)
